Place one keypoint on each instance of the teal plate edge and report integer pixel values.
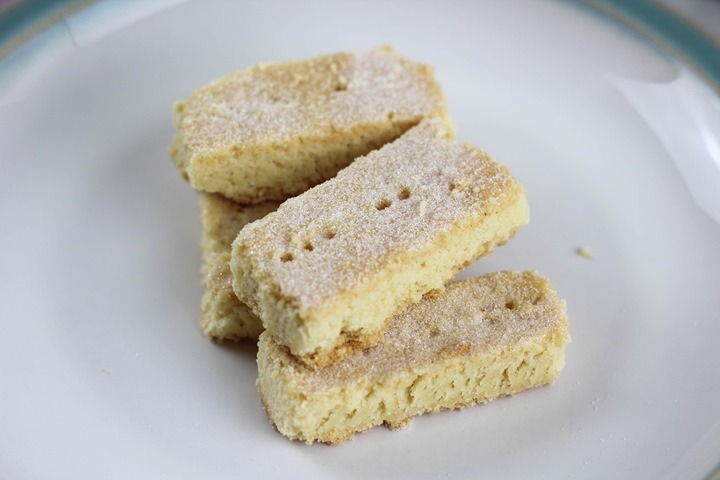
(22, 20)
(658, 22)
(667, 28)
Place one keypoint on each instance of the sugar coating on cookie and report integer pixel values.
(224, 317)
(482, 338)
(329, 268)
(274, 130)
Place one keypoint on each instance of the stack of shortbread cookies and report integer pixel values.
(336, 207)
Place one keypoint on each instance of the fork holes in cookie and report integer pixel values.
(329, 234)
(404, 194)
(309, 247)
(383, 204)
(288, 257)
(510, 304)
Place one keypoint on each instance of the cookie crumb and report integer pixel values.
(585, 253)
(106, 371)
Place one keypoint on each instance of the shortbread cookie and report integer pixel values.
(329, 268)
(275, 130)
(224, 317)
(481, 339)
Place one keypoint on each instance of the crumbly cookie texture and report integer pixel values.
(482, 338)
(275, 130)
(224, 317)
(329, 268)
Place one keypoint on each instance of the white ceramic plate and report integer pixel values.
(104, 372)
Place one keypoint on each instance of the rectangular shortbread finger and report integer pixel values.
(481, 339)
(224, 317)
(329, 268)
(274, 130)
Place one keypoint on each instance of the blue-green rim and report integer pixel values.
(660, 24)
(22, 21)
(665, 27)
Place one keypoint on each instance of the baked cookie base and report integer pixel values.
(328, 270)
(274, 130)
(223, 316)
(481, 339)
